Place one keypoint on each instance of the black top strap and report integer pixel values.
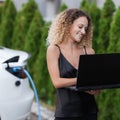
(58, 47)
(83, 47)
(85, 50)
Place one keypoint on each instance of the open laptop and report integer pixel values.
(99, 71)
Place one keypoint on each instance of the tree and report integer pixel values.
(33, 38)
(41, 76)
(63, 7)
(104, 25)
(114, 44)
(108, 100)
(22, 23)
(0, 13)
(7, 23)
(94, 12)
(84, 5)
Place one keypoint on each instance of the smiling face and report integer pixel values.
(78, 29)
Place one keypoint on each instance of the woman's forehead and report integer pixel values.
(81, 20)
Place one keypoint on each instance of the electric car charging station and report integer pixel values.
(16, 95)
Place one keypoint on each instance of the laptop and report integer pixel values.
(98, 71)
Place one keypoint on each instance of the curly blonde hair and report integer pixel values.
(59, 29)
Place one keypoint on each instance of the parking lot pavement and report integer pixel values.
(45, 113)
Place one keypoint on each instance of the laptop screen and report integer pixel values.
(98, 71)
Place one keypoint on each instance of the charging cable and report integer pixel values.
(36, 94)
(16, 69)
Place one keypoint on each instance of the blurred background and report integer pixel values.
(24, 26)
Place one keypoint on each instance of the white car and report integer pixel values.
(16, 95)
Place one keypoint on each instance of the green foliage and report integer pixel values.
(4, 6)
(33, 38)
(108, 102)
(84, 5)
(0, 13)
(104, 25)
(108, 8)
(94, 12)
(18, 37)
(22, 22)
(114, 45)
(7, 22)
(41, 76)
(63, 7)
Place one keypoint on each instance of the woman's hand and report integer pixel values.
(93, 92)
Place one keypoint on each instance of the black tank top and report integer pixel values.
(70, 102)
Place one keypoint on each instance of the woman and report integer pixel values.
(69, 36)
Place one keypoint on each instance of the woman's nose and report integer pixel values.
(83, 31)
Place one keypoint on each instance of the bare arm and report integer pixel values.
(52, 63)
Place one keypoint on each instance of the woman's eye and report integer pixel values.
(80, 27)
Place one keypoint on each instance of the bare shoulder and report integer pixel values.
(90, 50)
(52, 50)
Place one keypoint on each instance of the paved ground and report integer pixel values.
(45, 113)
(33, 117)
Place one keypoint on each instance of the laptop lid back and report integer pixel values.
(98, 71)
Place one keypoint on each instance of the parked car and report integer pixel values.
(16, 95)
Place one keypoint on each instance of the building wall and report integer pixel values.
(19, 3)
(72, 3)
(52, 7)
(49, 8)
